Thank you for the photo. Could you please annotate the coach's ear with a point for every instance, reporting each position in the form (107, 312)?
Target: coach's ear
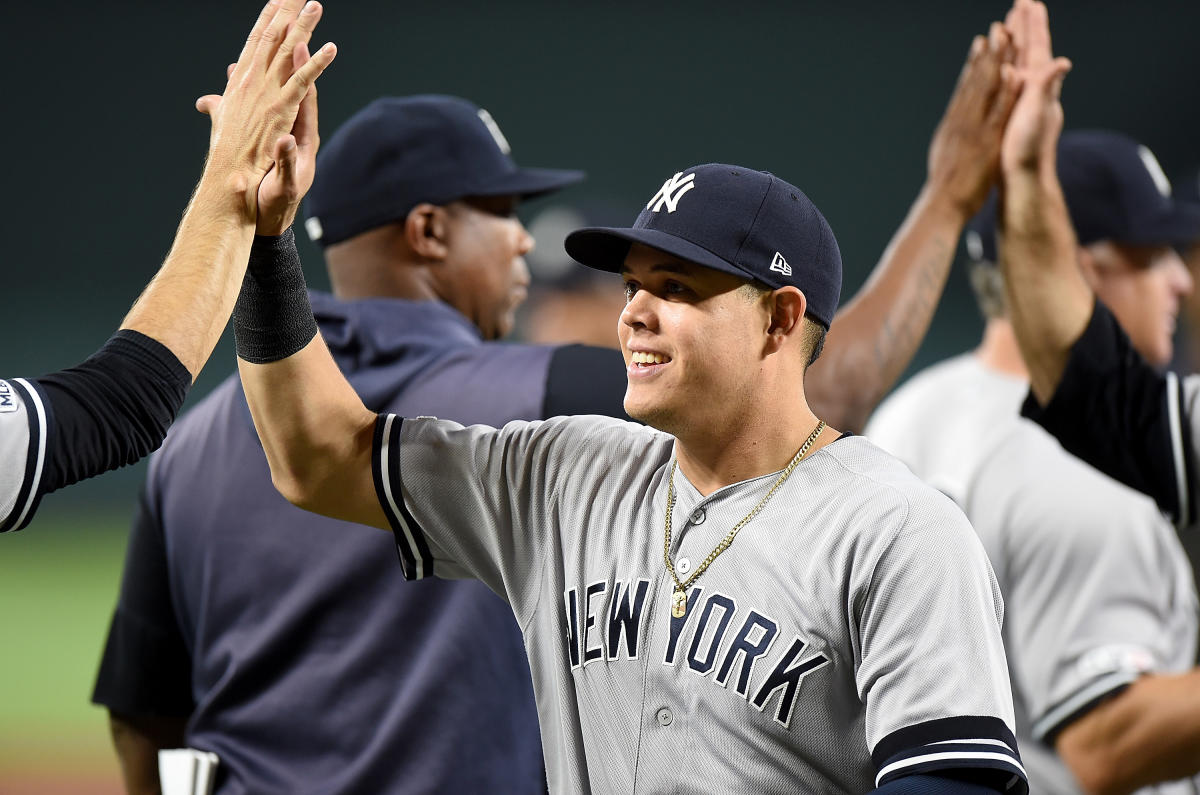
(786, 305)
(425, 231)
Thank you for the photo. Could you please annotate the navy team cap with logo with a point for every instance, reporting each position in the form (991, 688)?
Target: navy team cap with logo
(398, 152)
(1115, 190)
(735, 220)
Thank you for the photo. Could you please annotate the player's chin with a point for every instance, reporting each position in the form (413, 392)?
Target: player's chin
(646, 408)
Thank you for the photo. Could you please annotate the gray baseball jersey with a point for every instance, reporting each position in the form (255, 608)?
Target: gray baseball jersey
(848, 637)
(23, 423)
(1097, 587)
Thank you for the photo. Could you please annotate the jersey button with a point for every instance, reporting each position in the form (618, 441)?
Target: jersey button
(683, 566)
(664, 717)
(698, 516)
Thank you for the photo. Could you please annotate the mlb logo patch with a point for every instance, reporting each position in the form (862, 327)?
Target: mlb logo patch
(8, 399)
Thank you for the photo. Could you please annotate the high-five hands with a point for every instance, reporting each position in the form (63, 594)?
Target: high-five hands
(264, 126)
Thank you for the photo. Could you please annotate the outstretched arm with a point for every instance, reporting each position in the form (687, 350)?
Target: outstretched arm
(873, 338)
(116, 407)
(1049, 302)
(187, 304)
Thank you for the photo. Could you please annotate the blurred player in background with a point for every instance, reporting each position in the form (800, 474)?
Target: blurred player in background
(1098, 592)
(115, 407)
(1089, 386)
(1101, 614)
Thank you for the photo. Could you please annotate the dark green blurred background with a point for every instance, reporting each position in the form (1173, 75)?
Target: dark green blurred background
(102, 147)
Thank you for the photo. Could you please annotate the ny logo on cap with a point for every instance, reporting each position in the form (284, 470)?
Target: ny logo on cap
(671, 192)
(780, 265)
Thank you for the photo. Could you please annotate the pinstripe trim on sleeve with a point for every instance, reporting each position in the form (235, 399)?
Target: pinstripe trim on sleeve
(983, 745)
(1176, 427)
(35, 458)
(416, 562)
(1079, 702)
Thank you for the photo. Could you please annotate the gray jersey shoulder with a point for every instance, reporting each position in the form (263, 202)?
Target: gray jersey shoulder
(23, 432)
(857, 604)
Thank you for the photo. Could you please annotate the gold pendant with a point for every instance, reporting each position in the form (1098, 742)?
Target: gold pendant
(678, 603)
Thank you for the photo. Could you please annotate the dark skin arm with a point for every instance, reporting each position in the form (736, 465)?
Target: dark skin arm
(873, 338)
(137, 740)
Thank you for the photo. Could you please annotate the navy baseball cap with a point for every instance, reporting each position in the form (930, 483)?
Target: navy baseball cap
(398, 152)
(1115, 190)
(735, 220)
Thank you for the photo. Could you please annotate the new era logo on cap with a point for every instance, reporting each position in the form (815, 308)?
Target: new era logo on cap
(780, 265)
(671, 192)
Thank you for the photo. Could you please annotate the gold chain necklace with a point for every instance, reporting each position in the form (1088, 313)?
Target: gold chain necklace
(679, 596)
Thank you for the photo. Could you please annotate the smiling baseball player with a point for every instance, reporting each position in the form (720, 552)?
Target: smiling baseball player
(737, 597)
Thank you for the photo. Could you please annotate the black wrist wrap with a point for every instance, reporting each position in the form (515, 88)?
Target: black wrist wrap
(273, 318)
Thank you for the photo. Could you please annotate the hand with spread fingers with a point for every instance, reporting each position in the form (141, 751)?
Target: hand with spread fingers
(264, 134)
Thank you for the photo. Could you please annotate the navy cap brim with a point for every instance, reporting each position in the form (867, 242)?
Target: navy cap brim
(528, 183)
(605, 248)
(1178, 227)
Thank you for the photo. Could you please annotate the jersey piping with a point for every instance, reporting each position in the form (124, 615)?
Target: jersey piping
(415, 558)
(1065, 711)
(35, 458)
(1174, 418)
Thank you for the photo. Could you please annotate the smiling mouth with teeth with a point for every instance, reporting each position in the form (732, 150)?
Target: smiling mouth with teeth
(645, 359)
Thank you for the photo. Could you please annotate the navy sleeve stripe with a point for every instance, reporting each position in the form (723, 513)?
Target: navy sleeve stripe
(959, 743)
(932, 761)
(35, 458)
(939, 730)
(416, 561)
(1079, 702)
(1178, 450)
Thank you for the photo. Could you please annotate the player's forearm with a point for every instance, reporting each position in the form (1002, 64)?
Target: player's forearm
(873, 338)
(187, 304)
(1048, 301)
(316, 433)
(1150, 733)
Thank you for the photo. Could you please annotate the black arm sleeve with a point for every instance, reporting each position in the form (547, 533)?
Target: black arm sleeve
(113, 409)
(1119, 414)
(146, 668)
(583, 379)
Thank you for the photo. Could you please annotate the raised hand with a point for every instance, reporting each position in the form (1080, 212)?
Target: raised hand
(283, 187)
(1037, 118)
(266, 119)
(964, 155)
